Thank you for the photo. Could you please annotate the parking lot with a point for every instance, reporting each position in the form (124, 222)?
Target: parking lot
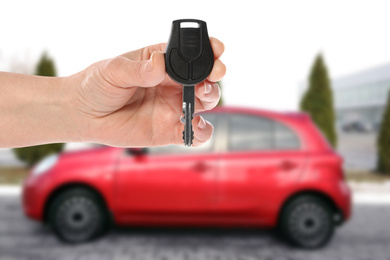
(366, 236)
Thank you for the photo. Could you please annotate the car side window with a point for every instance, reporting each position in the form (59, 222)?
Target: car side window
(247, 133)
(285, 138)
(251, 133)
(181, 149)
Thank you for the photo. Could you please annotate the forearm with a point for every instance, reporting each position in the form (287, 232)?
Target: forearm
(36, 110)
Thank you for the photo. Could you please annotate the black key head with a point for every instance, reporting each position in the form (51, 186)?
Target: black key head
(189, 57)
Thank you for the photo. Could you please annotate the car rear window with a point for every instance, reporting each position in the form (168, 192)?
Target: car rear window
(248, 133)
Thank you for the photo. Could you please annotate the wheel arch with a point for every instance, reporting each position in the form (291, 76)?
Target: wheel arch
(71, 185)
(319, 194)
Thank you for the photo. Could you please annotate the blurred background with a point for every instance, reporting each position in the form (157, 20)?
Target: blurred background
(329, 59)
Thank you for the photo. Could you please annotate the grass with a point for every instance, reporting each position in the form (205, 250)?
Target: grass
(366, 176)
(12, 175)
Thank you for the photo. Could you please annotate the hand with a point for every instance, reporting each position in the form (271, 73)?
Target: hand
(131, 101)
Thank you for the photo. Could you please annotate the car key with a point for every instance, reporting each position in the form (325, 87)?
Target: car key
(189, 60)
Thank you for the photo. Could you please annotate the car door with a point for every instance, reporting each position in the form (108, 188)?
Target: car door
(263, 158)
(169, 180)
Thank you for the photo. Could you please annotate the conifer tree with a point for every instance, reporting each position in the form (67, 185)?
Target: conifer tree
(383, 141)
(318, 100)
(220, 102)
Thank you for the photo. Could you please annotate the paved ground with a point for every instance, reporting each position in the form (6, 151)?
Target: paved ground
(358, 150)
(366, 236)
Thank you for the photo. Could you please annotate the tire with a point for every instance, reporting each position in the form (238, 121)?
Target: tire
(307, 222)
(78, 215)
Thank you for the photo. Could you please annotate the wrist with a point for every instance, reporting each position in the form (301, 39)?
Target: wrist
(59, 118)
(77, 123)
(37, 110)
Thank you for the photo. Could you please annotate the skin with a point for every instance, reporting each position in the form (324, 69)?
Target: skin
(126, 101)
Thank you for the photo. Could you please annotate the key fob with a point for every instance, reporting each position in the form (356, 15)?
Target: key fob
(189, 57)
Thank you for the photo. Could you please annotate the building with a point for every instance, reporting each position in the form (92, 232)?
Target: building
(359, 101)
(361, 97)
(8, 159)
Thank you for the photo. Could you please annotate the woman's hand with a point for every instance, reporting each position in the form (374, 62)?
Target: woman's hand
(125, 101)
(131, 101)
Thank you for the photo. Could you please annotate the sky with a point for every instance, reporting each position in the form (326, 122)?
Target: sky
(269, 45)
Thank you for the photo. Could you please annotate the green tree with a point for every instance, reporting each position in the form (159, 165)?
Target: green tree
(33, 154)
(318, 100)
(220, 102)
(45, 66)
(383, 141)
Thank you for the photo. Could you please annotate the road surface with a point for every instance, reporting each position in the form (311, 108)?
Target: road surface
(366, 236)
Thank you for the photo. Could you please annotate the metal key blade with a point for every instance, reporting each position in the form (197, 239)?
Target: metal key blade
(188, 110)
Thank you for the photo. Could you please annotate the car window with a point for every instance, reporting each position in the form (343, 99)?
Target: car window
(249, 133)
(181, 149)
(285, 138)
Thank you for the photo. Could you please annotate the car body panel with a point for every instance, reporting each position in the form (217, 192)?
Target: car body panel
(166, 185)
(250, 182)
(93, 168)
(216, 187)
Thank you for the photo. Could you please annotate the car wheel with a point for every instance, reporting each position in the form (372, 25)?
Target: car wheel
(307, 222)
(77, 215)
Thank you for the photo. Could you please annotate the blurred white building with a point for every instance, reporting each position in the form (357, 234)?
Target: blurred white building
(7, 158)
(361, 97)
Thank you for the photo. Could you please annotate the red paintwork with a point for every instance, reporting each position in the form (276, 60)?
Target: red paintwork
(214, 189)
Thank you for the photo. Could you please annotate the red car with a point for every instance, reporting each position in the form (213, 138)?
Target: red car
(260, 169)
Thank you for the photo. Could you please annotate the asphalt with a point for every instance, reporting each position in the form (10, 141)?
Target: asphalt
(366, 236)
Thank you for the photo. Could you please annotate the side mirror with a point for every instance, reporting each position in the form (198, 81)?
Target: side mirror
(137, 151)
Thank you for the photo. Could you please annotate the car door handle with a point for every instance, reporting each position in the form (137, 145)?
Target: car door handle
(287, 165)
(200, 167)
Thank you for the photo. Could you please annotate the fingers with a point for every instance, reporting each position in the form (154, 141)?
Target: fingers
(207, 96)
(219, 69)
(203, 130)
(218, 47)
(123, 72)
(218, 72)
(146, 52)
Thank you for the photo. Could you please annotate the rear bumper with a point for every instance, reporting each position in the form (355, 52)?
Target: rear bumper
(344, 200)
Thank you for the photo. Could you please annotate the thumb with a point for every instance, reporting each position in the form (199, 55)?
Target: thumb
(124, 72)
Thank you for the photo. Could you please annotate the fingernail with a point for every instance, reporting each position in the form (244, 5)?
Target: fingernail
(202, 123)
(207, 87)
